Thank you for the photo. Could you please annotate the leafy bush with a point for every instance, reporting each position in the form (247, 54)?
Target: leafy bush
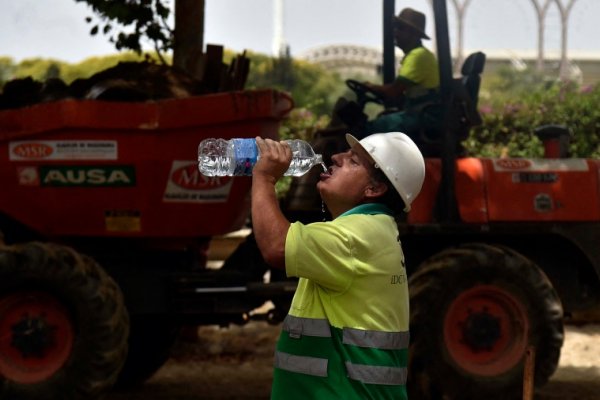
(41, 69)
(302, 123)
(311, 86)
(512, 103)
(512, 114)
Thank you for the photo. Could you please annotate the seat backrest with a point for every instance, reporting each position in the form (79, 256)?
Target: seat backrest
(466, 91)
(464, 115)
(471, 71)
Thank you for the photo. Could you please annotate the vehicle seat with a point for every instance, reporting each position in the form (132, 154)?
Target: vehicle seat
(465, 96)
(470, 82)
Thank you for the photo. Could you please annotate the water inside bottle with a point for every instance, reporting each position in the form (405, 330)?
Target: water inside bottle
(300, 165)
(324, 167)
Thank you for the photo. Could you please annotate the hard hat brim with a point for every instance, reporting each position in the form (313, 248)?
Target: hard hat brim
(351, 139)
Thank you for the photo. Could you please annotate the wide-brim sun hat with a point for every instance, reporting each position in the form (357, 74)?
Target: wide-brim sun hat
(412, 19)
(399, 158)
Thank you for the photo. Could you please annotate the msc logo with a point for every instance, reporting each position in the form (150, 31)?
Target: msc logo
(90, 176)
(32, 150)
(188, 177)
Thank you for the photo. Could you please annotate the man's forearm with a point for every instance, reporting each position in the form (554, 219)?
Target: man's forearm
(269, 224)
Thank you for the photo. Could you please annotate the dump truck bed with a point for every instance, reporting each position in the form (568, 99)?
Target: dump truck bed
(103, 169)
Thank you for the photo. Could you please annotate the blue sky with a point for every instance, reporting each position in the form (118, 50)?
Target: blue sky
(56, 28)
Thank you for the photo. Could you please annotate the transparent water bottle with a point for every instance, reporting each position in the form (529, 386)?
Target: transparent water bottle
(236, 157)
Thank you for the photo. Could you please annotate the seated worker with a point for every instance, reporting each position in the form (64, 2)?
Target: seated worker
(415, 87)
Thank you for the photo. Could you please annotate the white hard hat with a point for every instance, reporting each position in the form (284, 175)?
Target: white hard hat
(399, 159)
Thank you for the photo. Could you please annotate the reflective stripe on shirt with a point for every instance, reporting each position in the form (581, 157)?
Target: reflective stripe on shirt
(315, 366)
(377, 375)
(302, 364)
(298, 326)
(376, 339)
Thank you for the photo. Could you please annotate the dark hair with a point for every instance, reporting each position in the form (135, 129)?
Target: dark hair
(391, 198)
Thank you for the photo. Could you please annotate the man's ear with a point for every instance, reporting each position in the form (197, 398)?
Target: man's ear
(376, 190)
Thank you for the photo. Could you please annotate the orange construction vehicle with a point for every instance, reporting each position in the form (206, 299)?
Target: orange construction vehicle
(500, 252)
(106, 221)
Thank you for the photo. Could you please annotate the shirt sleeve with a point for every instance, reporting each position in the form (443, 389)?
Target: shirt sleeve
(320, 252)
(416, 66)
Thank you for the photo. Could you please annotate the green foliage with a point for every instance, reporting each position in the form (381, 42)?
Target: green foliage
(93, 65)
(38, 68)
(521, 103)
(43, 69)
(7, 70)
(508, 83)
(302, 123)
(313, 89)
(512, 104)
(138, 20)
(311, 86)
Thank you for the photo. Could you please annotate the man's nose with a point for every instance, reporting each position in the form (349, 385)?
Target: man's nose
(336, 158)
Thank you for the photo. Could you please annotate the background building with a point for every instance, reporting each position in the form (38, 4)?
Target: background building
(351, 61)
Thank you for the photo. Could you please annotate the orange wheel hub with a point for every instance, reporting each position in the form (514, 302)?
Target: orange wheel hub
(486, 330)
(36, 336)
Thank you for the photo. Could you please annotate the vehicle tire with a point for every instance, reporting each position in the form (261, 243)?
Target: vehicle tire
(63, 324)
(150, 341)
(475, 310)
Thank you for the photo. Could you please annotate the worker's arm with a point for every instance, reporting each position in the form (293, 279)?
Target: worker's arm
(390, 91)
(268, 222)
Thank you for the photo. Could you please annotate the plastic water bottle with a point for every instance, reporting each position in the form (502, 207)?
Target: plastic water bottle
(236, 157)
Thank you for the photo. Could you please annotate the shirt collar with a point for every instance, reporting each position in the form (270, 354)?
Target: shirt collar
(369, 209)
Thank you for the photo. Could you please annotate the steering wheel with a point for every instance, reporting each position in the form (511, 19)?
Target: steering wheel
(364, 94)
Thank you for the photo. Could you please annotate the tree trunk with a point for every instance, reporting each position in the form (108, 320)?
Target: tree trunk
(189, 36)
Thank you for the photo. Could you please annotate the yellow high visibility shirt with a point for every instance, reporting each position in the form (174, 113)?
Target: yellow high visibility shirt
(346, 334)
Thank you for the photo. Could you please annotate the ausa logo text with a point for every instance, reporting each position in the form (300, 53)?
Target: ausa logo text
(87, 175)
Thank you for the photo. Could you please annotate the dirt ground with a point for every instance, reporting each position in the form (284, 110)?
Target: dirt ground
(236, 363)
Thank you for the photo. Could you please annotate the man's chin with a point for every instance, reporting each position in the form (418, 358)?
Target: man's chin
(320, 188)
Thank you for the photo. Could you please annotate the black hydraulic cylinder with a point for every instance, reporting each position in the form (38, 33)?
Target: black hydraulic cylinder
(446, 205)
(389, 59)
